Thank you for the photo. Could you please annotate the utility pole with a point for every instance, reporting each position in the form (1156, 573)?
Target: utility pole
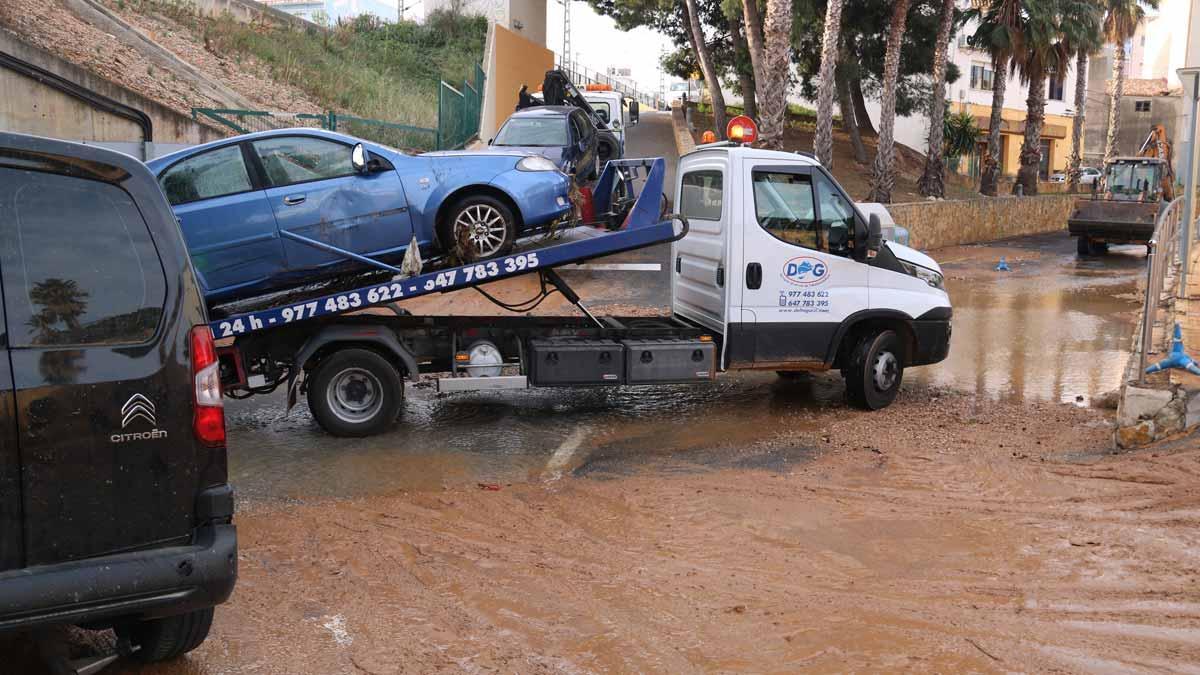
(662, 75)
(566, 47)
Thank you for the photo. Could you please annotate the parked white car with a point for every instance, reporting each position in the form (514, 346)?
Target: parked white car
(1087, 176)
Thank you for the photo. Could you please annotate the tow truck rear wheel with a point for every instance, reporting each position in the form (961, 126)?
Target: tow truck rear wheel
(875, 370)
(1086, 246)
(355, 392)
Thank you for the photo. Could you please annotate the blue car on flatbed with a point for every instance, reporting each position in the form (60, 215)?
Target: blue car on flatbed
(267, 210)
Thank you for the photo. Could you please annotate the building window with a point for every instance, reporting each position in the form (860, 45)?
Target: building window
(981, 77)
(962, 41)
(1141, 106)
(1055, 89)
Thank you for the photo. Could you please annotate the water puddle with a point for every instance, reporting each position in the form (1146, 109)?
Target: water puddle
(1055, 328)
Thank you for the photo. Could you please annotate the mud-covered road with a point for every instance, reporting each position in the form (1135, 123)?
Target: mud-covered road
(757, 524)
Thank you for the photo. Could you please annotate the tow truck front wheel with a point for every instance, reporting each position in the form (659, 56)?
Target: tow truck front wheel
(875, 370)
(355, 392)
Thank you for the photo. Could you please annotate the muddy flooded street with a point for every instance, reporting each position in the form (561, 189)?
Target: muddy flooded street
(752, 524)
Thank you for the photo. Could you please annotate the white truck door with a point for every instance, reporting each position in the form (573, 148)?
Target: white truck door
(698, 289)
(800, 280)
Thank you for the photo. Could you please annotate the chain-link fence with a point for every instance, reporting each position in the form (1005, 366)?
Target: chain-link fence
(458, 120)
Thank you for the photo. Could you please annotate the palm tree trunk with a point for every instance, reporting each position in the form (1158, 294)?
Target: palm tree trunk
(706, 66)
(933, 181)
(1031, 147)
(846, 105)
(860, 107)
(745, 75)
(1114, 104)
(823, 142)
(777, 39)
(883, 173)
(1081, 68)
(752, 20)
(989, 176)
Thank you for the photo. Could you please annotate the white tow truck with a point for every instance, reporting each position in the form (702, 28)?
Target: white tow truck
(773, 268)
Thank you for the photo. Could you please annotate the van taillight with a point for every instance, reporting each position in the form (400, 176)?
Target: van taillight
(208, 418)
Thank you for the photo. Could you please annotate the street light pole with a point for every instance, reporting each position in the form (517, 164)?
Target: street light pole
(1190, 176)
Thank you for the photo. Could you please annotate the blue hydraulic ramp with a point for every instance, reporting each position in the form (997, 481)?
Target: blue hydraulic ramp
(641, 228)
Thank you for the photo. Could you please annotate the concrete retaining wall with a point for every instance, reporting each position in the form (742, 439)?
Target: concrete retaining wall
(954, 222)
(248, 11)
(31, 107)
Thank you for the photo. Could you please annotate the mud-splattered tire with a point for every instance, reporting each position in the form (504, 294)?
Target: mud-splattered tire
(355, 393)
(875, 370)
(169, 637)
(479, 227)
(1083, 246)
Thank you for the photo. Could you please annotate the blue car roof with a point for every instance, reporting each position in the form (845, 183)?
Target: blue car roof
(159, 163)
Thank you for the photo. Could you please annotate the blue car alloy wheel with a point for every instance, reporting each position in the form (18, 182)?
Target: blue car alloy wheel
(481, 227)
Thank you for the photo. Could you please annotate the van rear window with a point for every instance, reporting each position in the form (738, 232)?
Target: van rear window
(702, 195)
(78, 263)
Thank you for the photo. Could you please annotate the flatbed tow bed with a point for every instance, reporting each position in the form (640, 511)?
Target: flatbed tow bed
(296, 342)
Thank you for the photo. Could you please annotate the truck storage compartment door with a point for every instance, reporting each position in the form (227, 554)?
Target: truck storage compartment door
(572, 362)
(100, 367)
(799, 230)
(666, 361)
(698, 287)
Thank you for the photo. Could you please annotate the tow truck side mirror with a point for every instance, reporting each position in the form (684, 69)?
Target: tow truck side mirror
(634, 111)
(874, 235)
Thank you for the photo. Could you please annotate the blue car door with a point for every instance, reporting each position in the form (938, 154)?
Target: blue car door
(227, 223)
(316, 194)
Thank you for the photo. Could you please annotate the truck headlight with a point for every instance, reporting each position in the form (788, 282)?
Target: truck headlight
(925, 274)
(536, 163)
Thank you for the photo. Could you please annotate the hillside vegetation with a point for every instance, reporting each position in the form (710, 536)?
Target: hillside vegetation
(367, 67)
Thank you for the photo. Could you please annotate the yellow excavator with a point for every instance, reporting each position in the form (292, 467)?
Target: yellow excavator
(1126, 199)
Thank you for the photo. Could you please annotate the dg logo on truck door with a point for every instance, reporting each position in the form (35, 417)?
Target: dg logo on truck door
(805, 271)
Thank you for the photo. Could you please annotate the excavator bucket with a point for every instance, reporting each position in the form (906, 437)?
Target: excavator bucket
(1116, 222)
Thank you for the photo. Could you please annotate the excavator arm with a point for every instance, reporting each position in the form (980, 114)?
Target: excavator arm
(1157, 145)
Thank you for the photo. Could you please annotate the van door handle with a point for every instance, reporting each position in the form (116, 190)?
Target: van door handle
(292, 200)
(753, 276)
(721, 276)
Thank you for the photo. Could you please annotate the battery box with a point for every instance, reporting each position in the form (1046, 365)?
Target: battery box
(574, 362)
(663, 361)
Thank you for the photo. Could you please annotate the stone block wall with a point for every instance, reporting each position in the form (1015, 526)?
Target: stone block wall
(953, 222)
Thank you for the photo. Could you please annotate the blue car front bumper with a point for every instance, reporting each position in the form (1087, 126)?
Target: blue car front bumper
(541, 201)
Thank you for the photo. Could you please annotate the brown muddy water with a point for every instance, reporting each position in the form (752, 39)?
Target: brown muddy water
(1055, 328)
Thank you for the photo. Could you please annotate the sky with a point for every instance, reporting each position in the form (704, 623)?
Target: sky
(600, 44)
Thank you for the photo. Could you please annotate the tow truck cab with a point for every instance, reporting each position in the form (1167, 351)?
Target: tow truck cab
(778, 261)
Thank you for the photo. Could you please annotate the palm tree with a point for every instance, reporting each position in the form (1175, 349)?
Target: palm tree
(1121, 21)
(776, 66)
(933, 180)
(1083, 43)
(883, 172)
(1051, 27)
(999, 31)
(707, 68)
(823, 141)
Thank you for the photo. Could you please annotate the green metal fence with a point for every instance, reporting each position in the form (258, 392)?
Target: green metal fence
(458, 112)
(458, 120)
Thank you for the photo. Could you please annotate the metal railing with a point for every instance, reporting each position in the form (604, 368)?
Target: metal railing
(1163, 249)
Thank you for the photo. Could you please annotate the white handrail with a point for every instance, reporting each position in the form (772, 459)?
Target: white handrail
(1162, 250)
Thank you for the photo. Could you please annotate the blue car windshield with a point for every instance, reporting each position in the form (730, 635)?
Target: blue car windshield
(543, 132)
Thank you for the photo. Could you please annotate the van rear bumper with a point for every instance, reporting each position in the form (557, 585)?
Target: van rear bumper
(139, 584)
